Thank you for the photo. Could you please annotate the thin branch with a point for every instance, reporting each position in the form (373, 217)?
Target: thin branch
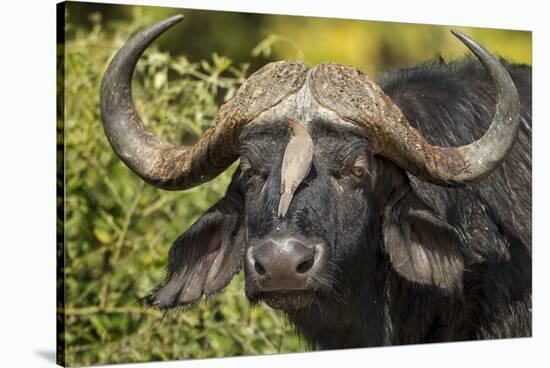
(120, 241)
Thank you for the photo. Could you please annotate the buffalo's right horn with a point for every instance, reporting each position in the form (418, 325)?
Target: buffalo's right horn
(178, 167)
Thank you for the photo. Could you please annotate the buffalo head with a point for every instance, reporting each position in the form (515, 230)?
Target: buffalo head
(352, 208)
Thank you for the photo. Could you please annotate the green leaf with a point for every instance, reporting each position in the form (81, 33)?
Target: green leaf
(160, 79)
(102, 236)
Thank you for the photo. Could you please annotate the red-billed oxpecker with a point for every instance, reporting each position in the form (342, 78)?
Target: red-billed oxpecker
(296, 164)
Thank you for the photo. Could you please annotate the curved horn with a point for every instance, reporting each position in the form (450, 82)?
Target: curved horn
(365, 104)
(170, 166)
(485, 155)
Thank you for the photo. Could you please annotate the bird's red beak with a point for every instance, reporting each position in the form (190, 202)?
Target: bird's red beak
(290, 123)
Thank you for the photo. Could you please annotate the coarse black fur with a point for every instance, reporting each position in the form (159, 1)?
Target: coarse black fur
(405, 261)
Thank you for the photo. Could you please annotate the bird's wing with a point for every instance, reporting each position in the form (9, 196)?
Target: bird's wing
(295, 167)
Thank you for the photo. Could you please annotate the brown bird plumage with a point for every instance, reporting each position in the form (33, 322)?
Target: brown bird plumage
(296, 164)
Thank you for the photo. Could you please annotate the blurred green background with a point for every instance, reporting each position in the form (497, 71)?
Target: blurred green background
(118, 229)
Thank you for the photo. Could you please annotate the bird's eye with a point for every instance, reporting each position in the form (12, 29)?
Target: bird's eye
(358, 171)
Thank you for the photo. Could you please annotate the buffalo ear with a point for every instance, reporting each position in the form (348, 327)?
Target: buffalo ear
(204, 259)
(421, 246)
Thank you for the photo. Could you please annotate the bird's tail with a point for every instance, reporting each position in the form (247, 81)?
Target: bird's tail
(284, 203)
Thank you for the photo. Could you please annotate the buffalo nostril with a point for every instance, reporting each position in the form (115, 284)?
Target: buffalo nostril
(305, 265)
(259, 268)
(282, 261)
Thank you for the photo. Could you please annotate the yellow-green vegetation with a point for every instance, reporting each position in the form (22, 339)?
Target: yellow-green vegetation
(375, 46)
(119, 229)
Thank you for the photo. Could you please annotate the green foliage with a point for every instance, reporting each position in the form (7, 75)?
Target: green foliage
(119, 229)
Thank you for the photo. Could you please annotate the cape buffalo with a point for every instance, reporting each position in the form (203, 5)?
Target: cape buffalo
(413, 223)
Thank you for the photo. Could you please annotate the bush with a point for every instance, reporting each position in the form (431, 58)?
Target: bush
(118, 229)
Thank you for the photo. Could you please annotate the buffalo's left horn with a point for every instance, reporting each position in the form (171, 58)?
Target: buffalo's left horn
(170, 166)
(466, 164)
(365, 104)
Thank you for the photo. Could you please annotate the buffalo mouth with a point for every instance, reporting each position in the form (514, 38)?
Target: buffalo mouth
(286, 299)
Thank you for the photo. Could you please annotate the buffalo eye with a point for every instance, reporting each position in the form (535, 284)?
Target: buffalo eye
(359, 168)
(250, 173)
(357, 171)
